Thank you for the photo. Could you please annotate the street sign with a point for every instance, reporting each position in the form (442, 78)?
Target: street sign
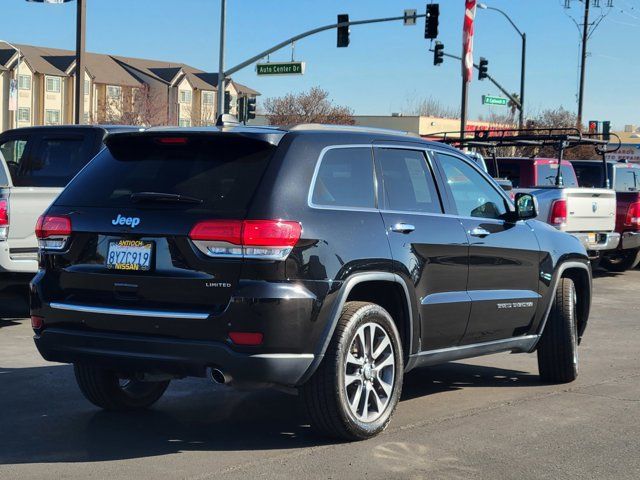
(491, 100)
(410, 17)
(284, 68)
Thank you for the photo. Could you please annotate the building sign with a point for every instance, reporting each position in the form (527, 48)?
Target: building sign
(627, 151)
(491, 100)
(13, 95)
(285, 68)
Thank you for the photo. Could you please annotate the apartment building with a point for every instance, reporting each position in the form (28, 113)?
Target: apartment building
(116, 89)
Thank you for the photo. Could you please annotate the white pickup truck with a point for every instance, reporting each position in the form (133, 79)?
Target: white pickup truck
(586, 213)
(36, 163)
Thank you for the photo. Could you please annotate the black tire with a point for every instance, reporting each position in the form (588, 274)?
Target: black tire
(558, 347)
(325, 394)
(103, 388)
(622, 261)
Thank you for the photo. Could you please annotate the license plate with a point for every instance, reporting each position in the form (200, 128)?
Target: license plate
(129, 255)
(592, 237)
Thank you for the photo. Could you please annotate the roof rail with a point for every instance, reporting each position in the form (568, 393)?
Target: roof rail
(348, 128)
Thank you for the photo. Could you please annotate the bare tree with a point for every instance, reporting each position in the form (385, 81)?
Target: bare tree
(313, 106)
(146, 108)
(430, 107)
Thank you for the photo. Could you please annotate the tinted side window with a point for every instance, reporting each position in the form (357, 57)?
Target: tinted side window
(56, 161)
(13, 151)
(472, 194)
(407, 180)
(345, 179)
(627, 179)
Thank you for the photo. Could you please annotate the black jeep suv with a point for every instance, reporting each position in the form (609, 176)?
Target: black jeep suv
(332, 259)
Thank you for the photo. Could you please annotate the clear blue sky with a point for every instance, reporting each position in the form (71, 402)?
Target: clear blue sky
(385, 67)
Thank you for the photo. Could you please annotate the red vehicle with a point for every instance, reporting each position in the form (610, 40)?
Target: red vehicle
(624, 178)
(534, 172)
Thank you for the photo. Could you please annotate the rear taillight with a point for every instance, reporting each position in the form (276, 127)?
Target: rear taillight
(261, 239)
(633, 215)
(37, 322)
(246, 338)
(4, 218)
(558, 215)
(53, 232)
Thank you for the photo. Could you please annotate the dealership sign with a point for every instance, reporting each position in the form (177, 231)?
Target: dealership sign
(284, 68)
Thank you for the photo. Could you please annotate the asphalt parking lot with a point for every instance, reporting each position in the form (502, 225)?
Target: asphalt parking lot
(486, 418)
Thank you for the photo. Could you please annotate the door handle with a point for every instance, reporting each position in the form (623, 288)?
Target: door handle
(403, 228)
(479, 232)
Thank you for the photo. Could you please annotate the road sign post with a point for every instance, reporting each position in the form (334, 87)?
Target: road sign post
(491, 100)
(283, 68)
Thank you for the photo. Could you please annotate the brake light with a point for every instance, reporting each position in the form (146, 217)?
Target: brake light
(558, 215)
(172, 140)
(262, 239)
(53, 231)
(4, 218)
(37, 322)
(246, 338)
(633, 215)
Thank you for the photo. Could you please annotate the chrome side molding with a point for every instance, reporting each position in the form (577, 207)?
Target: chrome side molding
(443, 355)
(131, 312)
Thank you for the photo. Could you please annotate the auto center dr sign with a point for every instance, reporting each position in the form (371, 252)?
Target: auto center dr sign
(627, 151)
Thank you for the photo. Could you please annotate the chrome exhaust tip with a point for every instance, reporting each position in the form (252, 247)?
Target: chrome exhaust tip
(217, 376)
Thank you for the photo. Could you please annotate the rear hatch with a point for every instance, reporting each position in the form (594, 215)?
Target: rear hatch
(590, 210)
(131, 212)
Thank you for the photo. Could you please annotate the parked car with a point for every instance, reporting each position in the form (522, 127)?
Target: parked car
(586, 213)
(35, 163)
(330, 259)
(624, 177)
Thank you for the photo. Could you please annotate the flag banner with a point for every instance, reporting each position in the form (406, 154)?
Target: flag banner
(13, 95)
(467, 40)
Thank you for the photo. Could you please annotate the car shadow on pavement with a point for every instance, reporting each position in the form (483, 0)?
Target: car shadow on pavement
(46, 419)
(454, 376)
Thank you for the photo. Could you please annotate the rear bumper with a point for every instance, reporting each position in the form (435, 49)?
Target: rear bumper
(603, 240)
(630, 240)
(133, 353)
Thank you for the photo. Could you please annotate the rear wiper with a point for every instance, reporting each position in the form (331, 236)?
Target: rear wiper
(163, 197)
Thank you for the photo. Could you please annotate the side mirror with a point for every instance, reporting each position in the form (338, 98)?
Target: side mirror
(526, 206)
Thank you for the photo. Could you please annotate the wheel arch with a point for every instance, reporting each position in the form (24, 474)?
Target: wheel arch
(381, 288)
(580, 273)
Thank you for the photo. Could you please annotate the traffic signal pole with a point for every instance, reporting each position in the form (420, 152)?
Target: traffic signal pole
(300, 36)
(583, 61)
(221, 73)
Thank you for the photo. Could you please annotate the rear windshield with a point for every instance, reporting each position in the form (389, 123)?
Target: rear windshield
(627, 179)
(223, 171)
(547, 173)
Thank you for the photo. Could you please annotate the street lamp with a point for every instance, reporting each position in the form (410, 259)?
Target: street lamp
(523, 35)
(17, 80)
(80, 44)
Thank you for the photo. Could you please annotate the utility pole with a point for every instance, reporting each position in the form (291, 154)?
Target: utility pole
(585, 37)
(221, 74)
(463, 108)
(81, 25)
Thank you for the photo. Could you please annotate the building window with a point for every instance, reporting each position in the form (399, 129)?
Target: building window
(207, 98)
(87, 87)
(24, 114)
(24, 82)
(52, 117)
(185, 96)
(184, 122)
(113, 92)
(53, 84)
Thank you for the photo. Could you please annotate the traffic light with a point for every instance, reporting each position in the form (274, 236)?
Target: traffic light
(593, 126)
(483, 68)
(606, 130)
(438, 53)
(251, 108)
(227, 102)
(343, 32)
(431, 21)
